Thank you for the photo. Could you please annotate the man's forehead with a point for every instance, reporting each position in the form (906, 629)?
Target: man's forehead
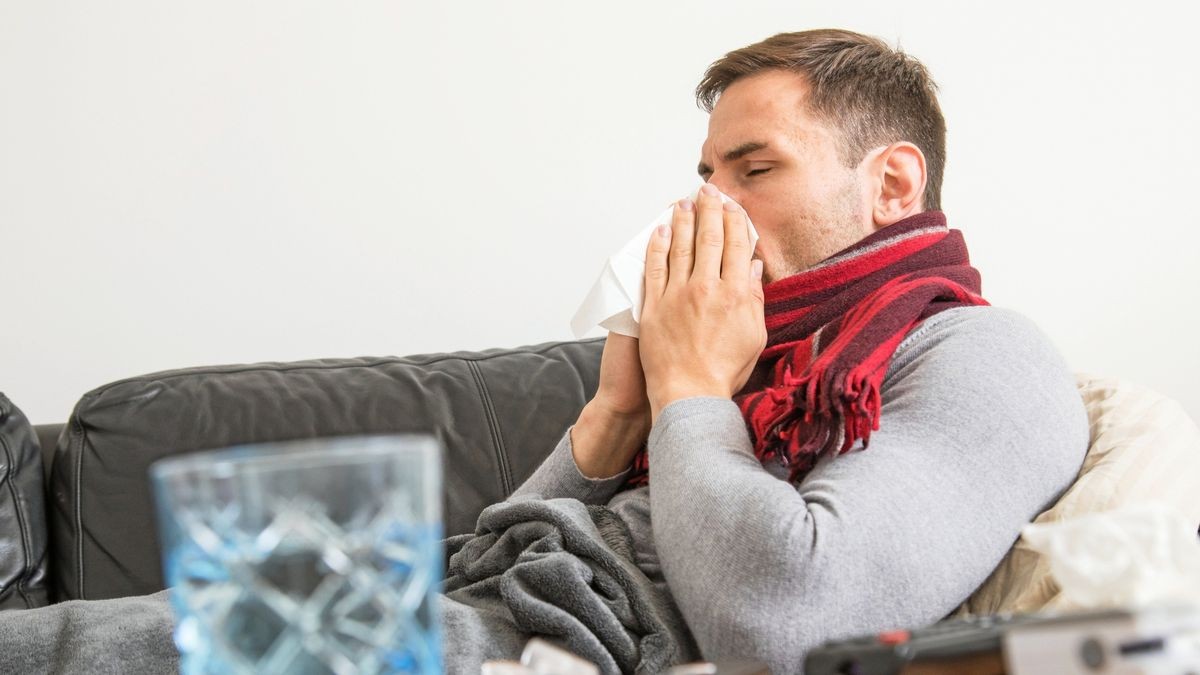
(735, 143)
(733, 149)
(766, 108)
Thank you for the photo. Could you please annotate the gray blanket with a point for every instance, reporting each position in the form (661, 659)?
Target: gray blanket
(564, 571)
(555, 568)
(126, 636)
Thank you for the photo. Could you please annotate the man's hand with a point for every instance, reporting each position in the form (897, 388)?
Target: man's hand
(615, 423)
(702, 326)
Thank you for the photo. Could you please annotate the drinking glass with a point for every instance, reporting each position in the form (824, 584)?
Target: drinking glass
(305, 557)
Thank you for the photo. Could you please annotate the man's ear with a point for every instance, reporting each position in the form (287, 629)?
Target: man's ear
(900, 175)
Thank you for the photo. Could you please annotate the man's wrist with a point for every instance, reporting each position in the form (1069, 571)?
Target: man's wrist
(603, 442)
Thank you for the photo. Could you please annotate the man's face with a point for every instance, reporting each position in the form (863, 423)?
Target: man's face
(767, 153)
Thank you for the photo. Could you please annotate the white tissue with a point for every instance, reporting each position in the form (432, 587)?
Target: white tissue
(1131, 557)
(615, 301)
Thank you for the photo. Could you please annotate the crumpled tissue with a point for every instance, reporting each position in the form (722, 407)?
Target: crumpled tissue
(615, 301)
(541, 657)
(1129, 557)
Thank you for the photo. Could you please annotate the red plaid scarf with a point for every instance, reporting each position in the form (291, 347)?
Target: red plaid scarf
(831, 333)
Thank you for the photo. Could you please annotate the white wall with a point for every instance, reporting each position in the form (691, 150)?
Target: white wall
(232, 181)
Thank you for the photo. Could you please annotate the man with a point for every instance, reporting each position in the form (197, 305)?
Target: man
(959, 422)
(842, 436)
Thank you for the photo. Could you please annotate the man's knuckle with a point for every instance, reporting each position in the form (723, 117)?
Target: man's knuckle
(656, 272)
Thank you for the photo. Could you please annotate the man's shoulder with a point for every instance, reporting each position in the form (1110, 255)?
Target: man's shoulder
(971, 338)
(988, 368)
(985, 324)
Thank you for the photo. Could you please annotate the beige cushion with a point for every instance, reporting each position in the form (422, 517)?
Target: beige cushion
(1144, 448)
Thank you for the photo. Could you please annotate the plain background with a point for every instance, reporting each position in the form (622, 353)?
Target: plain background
(233, 181)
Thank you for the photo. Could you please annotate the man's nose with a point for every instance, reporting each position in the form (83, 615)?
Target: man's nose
(735, 195)
(732, 193)
(729, 190)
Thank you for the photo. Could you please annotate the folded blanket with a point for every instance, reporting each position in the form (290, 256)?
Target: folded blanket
(564, 571)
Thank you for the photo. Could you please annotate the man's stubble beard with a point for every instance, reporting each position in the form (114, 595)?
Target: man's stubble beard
(815, 236)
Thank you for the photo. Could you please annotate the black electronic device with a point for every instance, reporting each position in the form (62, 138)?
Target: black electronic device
(887, 652)
(1026, 642)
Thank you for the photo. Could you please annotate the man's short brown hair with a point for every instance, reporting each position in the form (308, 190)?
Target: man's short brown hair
(872, 94)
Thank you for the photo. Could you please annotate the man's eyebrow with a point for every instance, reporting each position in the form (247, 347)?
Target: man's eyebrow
(734, 155)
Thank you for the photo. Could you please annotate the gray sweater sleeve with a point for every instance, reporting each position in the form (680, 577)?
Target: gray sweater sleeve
(982, 428)
(559, 476)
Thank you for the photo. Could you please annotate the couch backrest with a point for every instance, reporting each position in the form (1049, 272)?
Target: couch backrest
(498, 413)
(47, 435)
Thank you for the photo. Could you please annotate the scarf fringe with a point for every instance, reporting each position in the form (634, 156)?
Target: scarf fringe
(799, 433)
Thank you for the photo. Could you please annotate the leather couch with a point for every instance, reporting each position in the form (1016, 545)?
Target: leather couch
(498, 413)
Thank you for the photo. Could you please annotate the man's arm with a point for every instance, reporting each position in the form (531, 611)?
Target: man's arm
(591, 461)
(981, 429)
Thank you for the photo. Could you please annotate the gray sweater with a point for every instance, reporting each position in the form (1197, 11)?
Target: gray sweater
(981, 429)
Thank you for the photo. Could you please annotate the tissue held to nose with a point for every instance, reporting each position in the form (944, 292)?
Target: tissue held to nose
(615, 301)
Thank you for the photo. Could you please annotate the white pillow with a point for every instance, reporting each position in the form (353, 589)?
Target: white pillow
(1144, 448)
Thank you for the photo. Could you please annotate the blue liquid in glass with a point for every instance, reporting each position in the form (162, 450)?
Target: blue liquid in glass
(308, 601)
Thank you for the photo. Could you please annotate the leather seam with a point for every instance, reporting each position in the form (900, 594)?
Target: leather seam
(25, 543)
(78, 505)
(493, 427)
(401, 361)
